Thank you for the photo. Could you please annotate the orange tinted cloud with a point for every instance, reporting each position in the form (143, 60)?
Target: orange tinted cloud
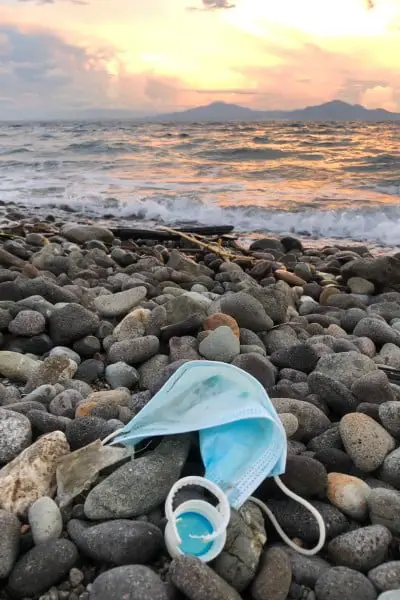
(159, 55)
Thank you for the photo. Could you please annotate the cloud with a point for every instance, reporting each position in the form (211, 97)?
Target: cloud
(41, 2)
(214, 5)
(379, 96)
(41, 74)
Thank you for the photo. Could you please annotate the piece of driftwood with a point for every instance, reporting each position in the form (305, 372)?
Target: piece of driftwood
(161, 234)
(214, 248)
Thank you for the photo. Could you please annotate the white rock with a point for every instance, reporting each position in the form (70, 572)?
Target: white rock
(45, 520)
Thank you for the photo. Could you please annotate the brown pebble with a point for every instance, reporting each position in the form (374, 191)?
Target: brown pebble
(219, 320)
(289, 278)
(327, 292)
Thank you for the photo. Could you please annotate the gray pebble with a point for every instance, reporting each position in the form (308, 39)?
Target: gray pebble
(121, 375)
(42, 567)
(9, 541)
(140, 485)
(390, 470)
(15, 434)
(45, 520)
(27, 323)
(220, 345)
(361, 549)
(132, 582)
(386, 576)
(274, 577)
(197, 581)
(384, 509)
(119, 542)
(64, 404)
(341, 583)
(64, 351)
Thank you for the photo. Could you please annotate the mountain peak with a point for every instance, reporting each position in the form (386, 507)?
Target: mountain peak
(222, 112)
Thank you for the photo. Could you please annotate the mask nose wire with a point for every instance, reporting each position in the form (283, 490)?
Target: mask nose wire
(308, 506)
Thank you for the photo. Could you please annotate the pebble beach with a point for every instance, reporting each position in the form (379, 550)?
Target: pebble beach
(92, 326)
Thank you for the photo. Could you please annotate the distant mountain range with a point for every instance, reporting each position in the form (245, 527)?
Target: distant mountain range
(223, 112)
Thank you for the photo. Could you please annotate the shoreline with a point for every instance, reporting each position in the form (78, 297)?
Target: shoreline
(91, 327)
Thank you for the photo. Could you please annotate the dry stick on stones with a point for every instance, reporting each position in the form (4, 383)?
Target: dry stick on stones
(225, 254)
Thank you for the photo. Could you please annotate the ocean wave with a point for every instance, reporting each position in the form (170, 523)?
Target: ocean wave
(380, 225)
(11, 151)
(235, 154)
(102, 147)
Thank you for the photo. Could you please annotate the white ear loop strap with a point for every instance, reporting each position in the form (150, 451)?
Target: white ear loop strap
(308, 506)
(223, 506)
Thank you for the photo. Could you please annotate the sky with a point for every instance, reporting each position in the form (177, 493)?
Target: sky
(149, 56)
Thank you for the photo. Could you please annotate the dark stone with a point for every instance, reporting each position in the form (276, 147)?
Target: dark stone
(90, 370)
(334, 460)
(341, 583)
(297, 521)
(301, 357)
(119, 542)
(335, 394)
(71, 323)
(305, 476)
(132, 582)
(85, 430)
(259, 367)
(40, 568)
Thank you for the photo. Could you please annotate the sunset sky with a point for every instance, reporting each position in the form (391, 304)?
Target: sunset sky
(150, 56)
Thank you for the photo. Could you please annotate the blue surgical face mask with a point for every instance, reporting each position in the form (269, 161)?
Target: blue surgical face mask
(242, 440)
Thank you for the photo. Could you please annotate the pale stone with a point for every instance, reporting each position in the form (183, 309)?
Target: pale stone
(32, 474)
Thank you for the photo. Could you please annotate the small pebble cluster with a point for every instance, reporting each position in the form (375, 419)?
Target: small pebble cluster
(91, 330)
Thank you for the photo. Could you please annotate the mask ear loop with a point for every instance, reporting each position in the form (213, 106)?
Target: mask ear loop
(308, 506)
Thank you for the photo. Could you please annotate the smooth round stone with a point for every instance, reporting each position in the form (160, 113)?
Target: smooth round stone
(389, 414)
(341, 583)
(358, 285)
(247, 311)
(274, 576)
(121, 375)
(43, 394)
(116, 305)
(306, 570)
(220, 345)
(349, 494)
(334, 460)
(84, 430)
(365, 441)
(219, 320)
(312, 421)
(119, 542)
(387, 576)
(132, 582)
(27, 323)
(390, 470)
(361, 549)
(392, 595)
(45, 520)
(15, 434)
(290, 423)
(305, 476)
(64, 351)
(72, 322)
(41, 567)
(297, 521)
(384, 509)
(87, 346)
(10, 527)
(64, 404)
(197, 581)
